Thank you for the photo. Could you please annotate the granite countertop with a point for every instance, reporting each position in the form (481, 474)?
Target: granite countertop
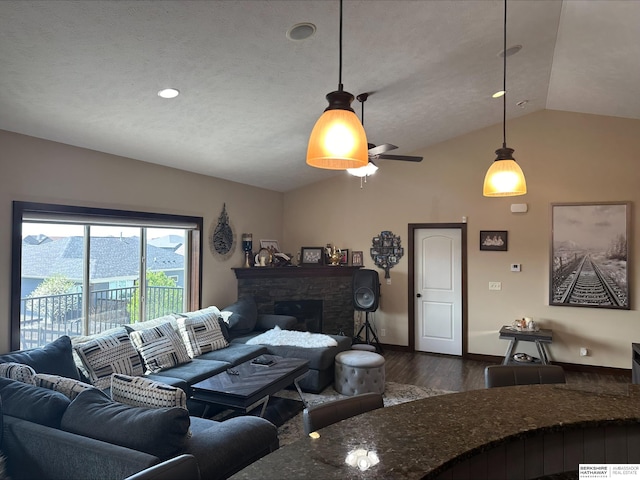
(420, 438)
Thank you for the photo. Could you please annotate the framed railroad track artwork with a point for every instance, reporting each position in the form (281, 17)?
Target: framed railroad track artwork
(589, 255)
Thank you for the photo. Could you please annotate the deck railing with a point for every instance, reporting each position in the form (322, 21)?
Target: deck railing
(43, 319)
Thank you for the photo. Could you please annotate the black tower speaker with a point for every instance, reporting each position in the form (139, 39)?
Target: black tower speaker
(366, 290)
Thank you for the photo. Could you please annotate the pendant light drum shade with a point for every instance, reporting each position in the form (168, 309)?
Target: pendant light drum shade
(505, 177)
(338, 141)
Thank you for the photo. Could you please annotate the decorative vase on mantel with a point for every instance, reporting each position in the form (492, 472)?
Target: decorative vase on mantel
(334, 255)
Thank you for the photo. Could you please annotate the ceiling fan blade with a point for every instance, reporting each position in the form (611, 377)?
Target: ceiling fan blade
(405, 158)
(385, 147)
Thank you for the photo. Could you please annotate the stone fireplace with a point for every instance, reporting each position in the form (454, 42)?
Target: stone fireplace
(300, 290)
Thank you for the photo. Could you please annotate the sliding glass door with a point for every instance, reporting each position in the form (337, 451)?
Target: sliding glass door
(80, 275)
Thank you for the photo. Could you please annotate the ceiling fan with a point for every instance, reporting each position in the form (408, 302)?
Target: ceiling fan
(379, 152)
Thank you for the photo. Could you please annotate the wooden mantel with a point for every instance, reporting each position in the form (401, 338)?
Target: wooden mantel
(295, 272)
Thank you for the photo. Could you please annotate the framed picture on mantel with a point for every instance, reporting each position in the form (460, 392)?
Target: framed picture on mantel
(311, 256)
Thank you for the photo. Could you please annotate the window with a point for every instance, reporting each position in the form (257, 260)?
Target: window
(80, 271)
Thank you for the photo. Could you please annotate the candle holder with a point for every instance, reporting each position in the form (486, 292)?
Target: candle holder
(247, 246)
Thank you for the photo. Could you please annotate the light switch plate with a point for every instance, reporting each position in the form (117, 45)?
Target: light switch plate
(495, 285)
(515, 267)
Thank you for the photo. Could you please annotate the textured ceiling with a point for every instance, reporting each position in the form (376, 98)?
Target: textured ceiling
(86, 73)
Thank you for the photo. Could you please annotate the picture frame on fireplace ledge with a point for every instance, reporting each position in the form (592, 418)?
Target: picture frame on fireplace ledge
(270, 244)
(311, 256)
(356, 258)
(344, 256)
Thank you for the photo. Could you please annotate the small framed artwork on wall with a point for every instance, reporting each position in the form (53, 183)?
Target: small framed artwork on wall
(356, 259)
(493, 240)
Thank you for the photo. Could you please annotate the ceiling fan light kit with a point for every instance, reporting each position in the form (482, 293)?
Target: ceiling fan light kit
(504, 178)
(338, 140)
(365, 171)
(376, 152)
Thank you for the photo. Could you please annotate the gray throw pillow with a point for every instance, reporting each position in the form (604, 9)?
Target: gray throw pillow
(244, 315)
(55, 358)
(161, 432)
(31, 403)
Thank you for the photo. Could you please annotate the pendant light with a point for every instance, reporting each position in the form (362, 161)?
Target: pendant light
(505, 177)
(338, 140)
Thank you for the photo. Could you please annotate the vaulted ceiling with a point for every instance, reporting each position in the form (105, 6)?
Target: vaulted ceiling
(87, 73)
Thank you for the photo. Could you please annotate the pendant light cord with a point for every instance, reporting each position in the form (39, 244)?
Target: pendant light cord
(504, 80)
(340, 56)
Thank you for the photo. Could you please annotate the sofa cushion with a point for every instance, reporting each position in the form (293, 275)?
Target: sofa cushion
(157, 431)
(201, 333)
(160, 347)
(244, 315)
(69, 387)
(195, 370)
(17, 371)
(55, 358)
(235, 353)
(31, 403)
(142, 392)
(107, 354)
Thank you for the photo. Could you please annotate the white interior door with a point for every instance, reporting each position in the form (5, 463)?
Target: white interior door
(438, 296)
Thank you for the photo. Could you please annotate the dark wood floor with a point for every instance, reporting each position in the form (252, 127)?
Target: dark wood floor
(455, 374)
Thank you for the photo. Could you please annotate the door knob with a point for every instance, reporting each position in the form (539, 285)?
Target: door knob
(418, 295)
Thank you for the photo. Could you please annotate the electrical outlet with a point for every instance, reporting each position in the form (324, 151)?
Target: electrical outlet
(383, 332)
(495, 285)
(388, 281)
(584, 352)
(515, 267)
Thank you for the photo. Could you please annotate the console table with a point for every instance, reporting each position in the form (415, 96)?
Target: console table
(540, 337)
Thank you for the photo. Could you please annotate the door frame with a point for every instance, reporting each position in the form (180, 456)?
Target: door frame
(411, 280)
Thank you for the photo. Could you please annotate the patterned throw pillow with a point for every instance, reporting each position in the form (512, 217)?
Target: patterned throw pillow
(109, 354)
(142, 392)
(160, 347)
(67, 386)
(201, 333)
(17, 371)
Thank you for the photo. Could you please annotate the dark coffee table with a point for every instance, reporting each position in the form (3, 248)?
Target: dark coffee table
(249, 385)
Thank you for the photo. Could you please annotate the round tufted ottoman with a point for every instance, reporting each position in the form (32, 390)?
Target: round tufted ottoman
(359, 372)
(363, 346)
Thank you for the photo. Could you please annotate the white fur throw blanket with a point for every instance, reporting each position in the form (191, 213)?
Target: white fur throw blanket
(277, 336)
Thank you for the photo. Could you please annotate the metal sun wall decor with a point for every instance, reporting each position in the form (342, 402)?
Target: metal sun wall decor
(386, 251)
(221, 236)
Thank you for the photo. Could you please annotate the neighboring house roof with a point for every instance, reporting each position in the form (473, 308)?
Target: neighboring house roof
(171, 242)
(111, 257)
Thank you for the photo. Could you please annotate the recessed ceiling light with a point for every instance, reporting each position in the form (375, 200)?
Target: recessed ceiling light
(522, 103)
(169, 93)
(301, 31)
(498, 94)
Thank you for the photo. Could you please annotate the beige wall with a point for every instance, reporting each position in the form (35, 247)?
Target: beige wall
(37, 170)
(566, 158)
